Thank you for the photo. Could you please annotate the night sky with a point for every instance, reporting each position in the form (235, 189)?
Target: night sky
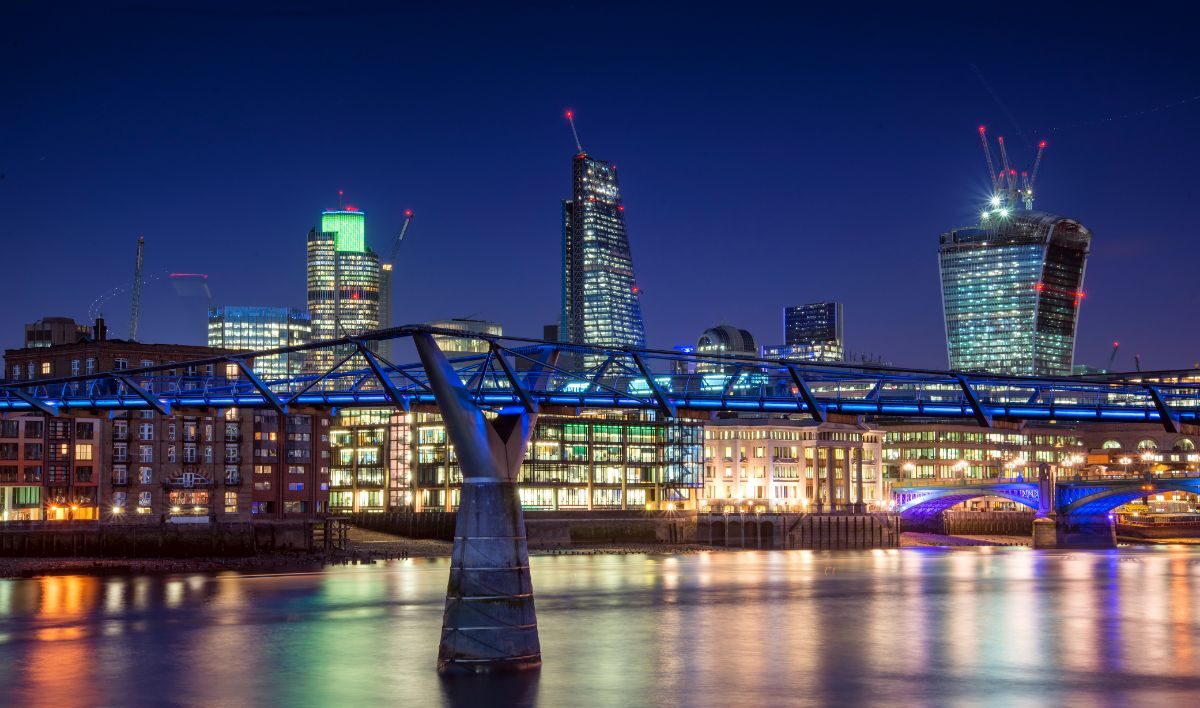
(766, 158)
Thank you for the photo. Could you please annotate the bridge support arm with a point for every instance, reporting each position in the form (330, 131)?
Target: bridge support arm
(984, 418)
(145, 395)
(664, 405)
(815, 409)
(489, 623)
(1170, 419)
(35, 403)
(381, 376)
(260, 386)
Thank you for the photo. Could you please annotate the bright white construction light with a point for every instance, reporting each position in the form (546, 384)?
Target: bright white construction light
(1003, 213)
(996, 200)
(983, 215)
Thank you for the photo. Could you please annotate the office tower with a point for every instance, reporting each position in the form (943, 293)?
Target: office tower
(1011, 289)
(811, 332)
(600, 299)
(257, 328)
(610, 459)
(343, 284)
(459, 346)
(1012, 285)
(724, 340)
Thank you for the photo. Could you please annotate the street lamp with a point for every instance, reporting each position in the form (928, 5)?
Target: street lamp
(1125, 463)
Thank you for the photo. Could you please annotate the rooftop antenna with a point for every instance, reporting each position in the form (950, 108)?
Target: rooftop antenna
(341, 201)
(571, 120)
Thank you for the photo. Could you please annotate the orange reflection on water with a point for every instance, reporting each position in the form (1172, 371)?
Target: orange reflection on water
(58, 663)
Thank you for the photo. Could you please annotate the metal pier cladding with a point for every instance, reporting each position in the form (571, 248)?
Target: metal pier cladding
(490, 402)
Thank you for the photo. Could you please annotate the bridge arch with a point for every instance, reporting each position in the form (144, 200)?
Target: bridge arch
(1109, 498)
(932, 502)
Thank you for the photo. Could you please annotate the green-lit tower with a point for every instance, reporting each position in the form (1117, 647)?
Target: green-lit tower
(343, 281)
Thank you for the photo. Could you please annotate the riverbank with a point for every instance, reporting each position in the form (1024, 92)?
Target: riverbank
(368, 547)
(35, 567)
(915, 539)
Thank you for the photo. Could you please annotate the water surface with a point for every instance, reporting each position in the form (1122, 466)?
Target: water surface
(998, 627)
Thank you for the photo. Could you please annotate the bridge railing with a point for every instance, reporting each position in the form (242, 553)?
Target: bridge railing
(957, 481)
(349, 372)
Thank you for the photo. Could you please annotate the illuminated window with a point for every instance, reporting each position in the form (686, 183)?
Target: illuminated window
(83, 452)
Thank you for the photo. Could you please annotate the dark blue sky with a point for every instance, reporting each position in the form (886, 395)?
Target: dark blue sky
(767, 157)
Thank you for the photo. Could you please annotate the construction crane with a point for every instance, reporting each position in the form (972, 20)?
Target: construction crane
(1113, 357)
(987, 155)
(408, 217)
(136, 304)
(385, 285)
(1007, 187)
(571, 120)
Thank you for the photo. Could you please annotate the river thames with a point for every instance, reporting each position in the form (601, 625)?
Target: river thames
(979, 626)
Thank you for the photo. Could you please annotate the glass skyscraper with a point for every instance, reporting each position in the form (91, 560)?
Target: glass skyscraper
(254, 328)
(343, 283)
(600, 300)
(811, 332)
(1011, 289)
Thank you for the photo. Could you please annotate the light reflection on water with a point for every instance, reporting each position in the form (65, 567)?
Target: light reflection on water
(965, 627)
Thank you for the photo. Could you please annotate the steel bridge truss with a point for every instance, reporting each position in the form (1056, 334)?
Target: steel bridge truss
(605, 377)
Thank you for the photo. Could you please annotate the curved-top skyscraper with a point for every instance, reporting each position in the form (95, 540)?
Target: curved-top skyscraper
(1011, 290)
(1012, 286)
(600, 301)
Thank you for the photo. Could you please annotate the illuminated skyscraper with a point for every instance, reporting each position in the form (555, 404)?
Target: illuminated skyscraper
(1011, 289)
(343, 282)
(811, 332)
(600, 300)
(256, 328)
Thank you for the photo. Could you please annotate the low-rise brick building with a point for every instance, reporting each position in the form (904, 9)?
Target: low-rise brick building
(191, 465)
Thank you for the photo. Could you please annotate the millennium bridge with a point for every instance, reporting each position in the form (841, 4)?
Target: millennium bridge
(490, 402)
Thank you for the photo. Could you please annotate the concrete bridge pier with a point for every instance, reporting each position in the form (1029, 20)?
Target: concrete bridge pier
(1065, 529)
(489, 623)
(1074, 531)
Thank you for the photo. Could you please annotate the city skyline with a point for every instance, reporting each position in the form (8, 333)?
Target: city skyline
(1125, 179)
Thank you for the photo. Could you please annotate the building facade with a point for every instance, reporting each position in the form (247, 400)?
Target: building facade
(1011, 291)
(189, 466)
(453, 346)
(780, 464)
(292, 466)
(601, 303)
(255, 328)
(344, 282)
(934, 453)
(595, 460)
